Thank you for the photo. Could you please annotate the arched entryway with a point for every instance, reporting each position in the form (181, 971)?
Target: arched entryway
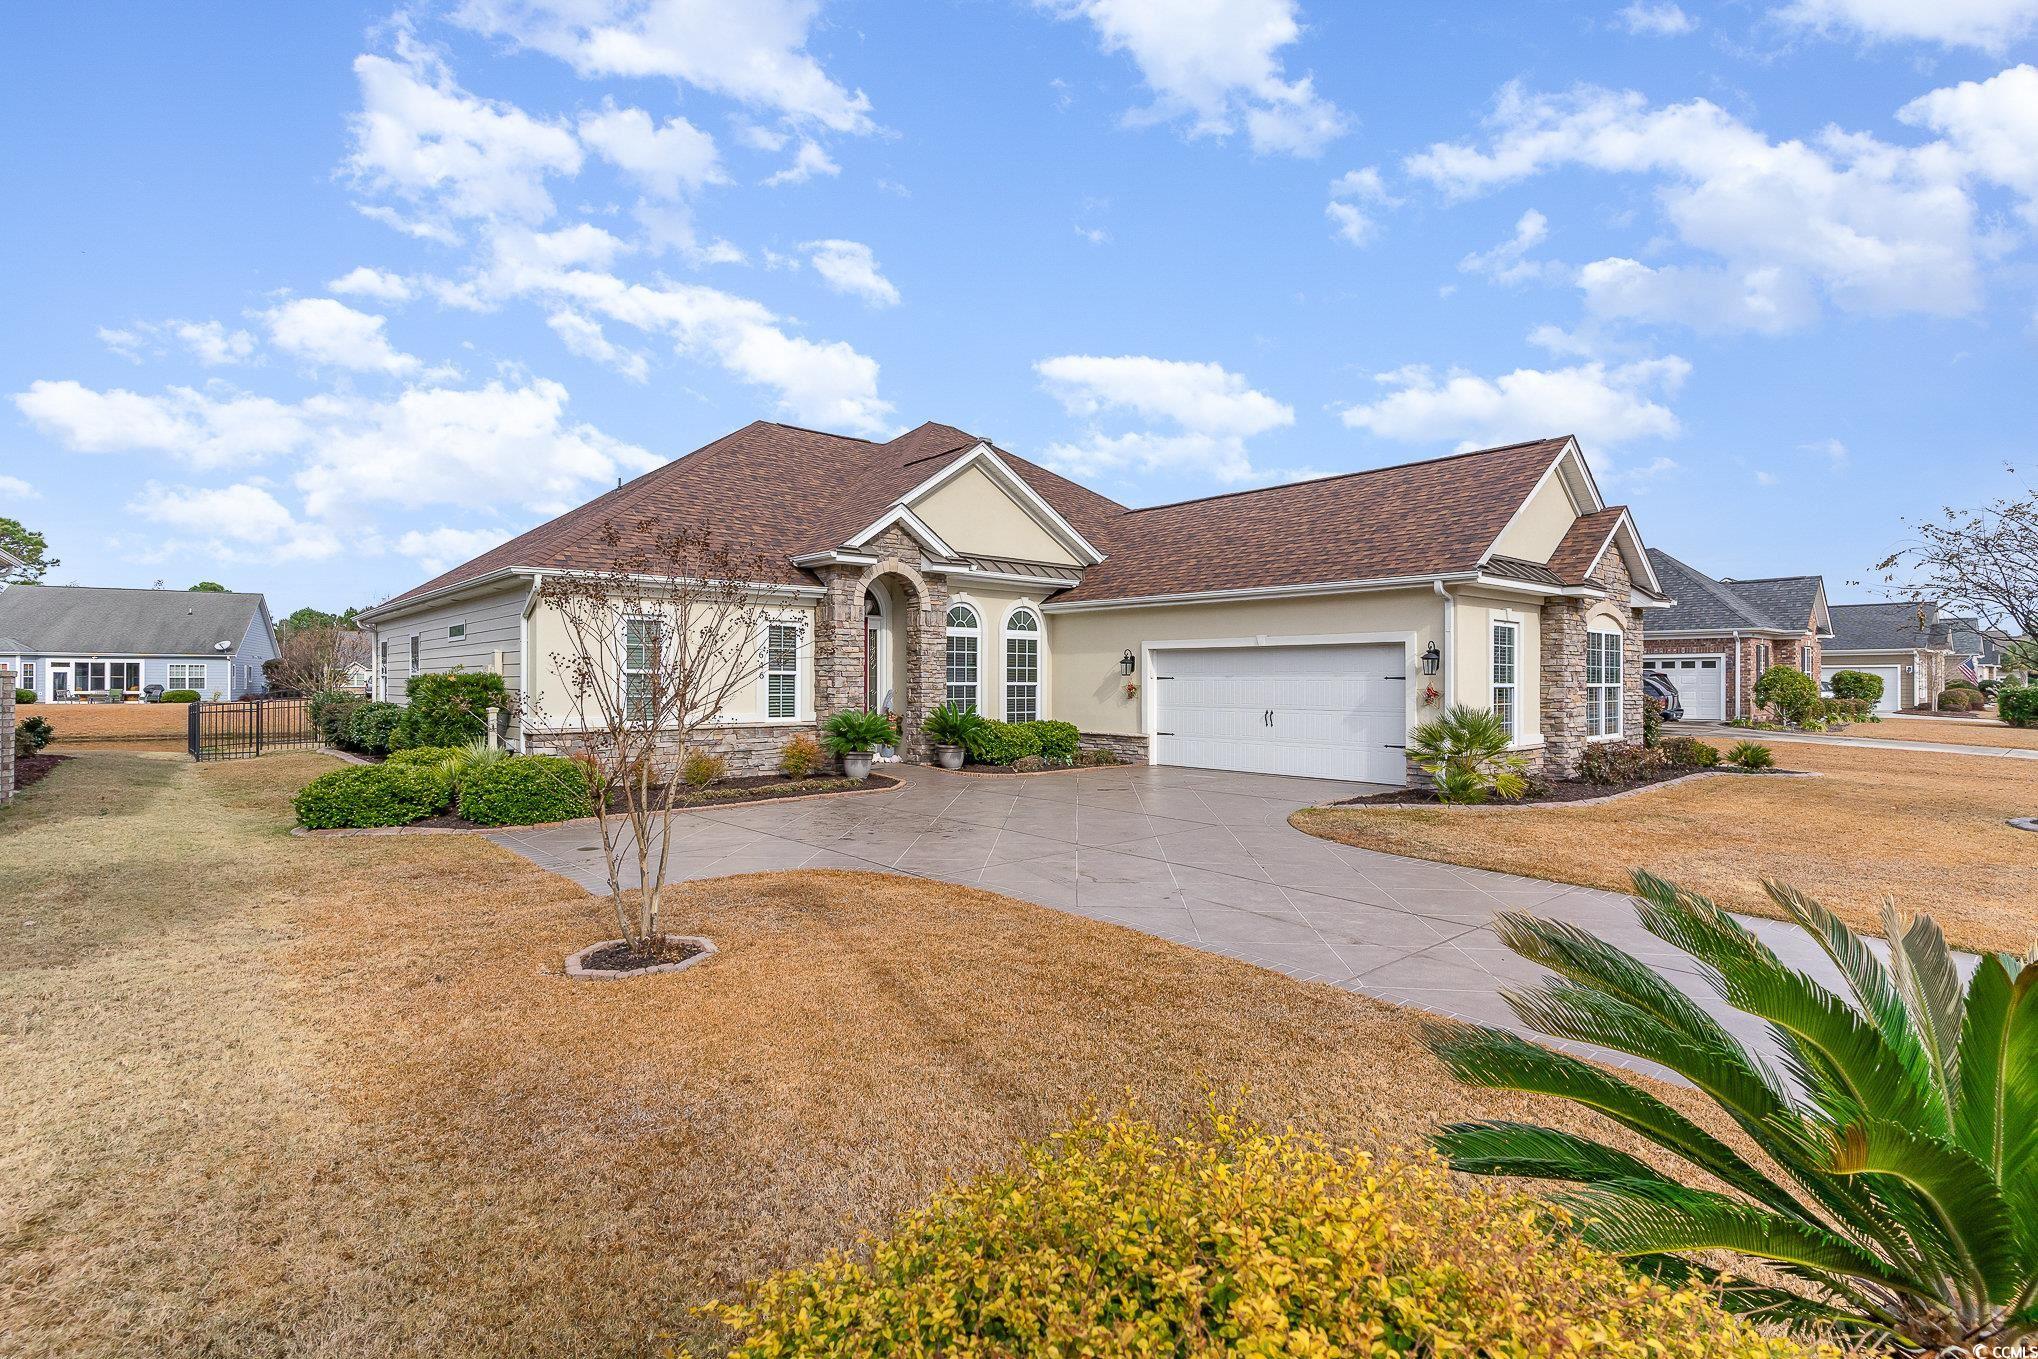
(878, 656)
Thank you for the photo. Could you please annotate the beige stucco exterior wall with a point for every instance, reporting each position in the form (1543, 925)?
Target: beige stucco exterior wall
(1472, 674)
(1541, 525)
(549, 703)
(1086, 686)
(973, 514)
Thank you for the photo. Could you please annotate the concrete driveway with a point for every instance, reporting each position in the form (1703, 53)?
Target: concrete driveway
(1203, 858)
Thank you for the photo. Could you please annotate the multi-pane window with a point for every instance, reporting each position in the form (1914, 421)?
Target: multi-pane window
(781, 670)
(641, 637)
(415, 654)
(1022, 667)
(1602, 683)
(963, 634)
(456, 631)
(1506, 659)
(187, 675)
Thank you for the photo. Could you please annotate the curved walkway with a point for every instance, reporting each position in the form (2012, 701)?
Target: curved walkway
(1204, 858)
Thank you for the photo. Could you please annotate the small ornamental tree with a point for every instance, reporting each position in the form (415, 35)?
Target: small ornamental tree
(1858, 684)
(661, 636)
(1790, 691)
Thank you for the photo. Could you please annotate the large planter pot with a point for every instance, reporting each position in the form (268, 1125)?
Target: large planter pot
(948, 757)
(856, 765)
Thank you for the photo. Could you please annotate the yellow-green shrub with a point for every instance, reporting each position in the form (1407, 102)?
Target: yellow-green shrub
(1113, 1239)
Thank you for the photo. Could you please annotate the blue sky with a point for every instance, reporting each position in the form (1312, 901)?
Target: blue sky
(321, 299)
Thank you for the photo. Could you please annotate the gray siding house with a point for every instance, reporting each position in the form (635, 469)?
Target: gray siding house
(72, 641)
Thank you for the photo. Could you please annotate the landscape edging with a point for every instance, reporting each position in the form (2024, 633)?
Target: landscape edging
(1555, 806)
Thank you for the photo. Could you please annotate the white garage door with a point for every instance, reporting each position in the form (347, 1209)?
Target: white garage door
(1892, 678)
(1327, 712)
(1701, 684)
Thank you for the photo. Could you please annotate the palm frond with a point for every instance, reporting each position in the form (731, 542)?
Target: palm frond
(1997, 1116)
(1930, 985)
(1967, 1208)
(1531, 1152)
(1757, 1302)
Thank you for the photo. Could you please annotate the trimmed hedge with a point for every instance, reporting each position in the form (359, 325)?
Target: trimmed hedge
(525, 790)
(448, 710)
(24, 695)
(1858, 684)
(2018, 704)
(423, 755)
(1002, 742)
(1956, 700)
(1116, 1239)
(179, 696)
(1790, 691)
(1688, 752)
(371, 727)
(370, 795)
(1058, 741)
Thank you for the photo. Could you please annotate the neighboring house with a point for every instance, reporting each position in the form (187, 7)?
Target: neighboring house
(1906, 642)
(1720, 635)
(71, 641)
(1299, 629)
(1977, 650)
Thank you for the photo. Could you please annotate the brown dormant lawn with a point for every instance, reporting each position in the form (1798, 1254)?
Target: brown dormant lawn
(1958, 731)
(110, 721)
(1922, 827)
(332, 1097)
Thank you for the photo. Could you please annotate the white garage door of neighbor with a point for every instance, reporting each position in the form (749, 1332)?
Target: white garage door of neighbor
(1701, 684)
(1892, 678)
(1327, 712)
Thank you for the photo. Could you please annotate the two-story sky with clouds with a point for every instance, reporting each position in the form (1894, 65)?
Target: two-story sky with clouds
(320, 299)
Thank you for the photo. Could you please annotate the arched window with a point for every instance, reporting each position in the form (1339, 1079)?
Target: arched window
(965, 635)
(1022, 666)
(1603, 683)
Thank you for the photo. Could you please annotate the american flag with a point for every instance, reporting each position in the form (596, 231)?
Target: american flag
(1967, 668)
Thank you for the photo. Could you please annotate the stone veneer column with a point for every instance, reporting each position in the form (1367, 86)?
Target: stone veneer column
(7, 682)
(1562, 688)
(919, 629)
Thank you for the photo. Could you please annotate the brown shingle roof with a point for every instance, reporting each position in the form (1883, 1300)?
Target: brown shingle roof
(783, 492)
(1583, 542)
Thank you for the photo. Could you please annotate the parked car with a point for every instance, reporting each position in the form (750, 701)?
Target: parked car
(1655, 686)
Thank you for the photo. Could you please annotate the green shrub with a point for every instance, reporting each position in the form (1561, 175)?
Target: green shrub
(1002, 742)
(31, 734)
(334, 717)
(24, 695)
(799, 756)
(524, 790)
(421, 755)
(950, 724)
(1962, 682)
(449, 709)
(1789, 690)
(1465, 753)
(1858, 684)
(1751, 755)
(1610, 762)
(1652, 720)
(370, 795)
(179, 696)
(1953, 700)
(1058, 741)
(371, 727)
(1688, 752)
(854, 731)
(701, 768)
(1117, 1239)
(2018, 704)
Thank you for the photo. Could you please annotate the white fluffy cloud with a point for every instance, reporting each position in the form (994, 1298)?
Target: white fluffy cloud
(210, 342)
(1605, 406)
(665, 159)
(1213, 413)
(850, 267)
(379, 284)
(1508, 262)
(422, 138)
(439, 549)
(214, 428)
(1352, 195)
(1874, 228)
(810, 160)
(1987, 24)
(232, 520)
(754, 52)
(330, 333)
(1991, 127)
(587, 339)
(1655, 18)
(1217, 64)
(14, 488)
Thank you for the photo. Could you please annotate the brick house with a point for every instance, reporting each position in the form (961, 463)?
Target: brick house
(1721, 635)
(1301, 629)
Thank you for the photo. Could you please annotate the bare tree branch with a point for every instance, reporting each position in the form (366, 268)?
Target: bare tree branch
(1983, 561)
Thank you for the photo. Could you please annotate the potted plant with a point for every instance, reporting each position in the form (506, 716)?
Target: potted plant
(948, 727)
(854, 735)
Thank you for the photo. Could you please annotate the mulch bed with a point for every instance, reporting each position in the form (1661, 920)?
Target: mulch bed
(30, 769)
(618, 957)
(1561, 790)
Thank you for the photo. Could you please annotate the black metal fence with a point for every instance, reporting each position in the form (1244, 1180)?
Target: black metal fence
(250, 726)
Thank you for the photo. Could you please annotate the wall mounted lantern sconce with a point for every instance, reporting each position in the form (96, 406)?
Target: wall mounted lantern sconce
(1432, 660)
(1126, 664)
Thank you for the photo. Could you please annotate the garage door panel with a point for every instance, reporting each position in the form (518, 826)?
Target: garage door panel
(1892, 679)
(1337, 711)
(1701, 683)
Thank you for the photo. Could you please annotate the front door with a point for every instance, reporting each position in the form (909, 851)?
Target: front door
(60, 682)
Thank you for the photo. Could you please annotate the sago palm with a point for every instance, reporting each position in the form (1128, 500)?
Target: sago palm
(1467, 756)
(1898, 1127)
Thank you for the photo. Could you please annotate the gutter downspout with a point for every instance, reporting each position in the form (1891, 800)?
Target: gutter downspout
(1450, 642)
(1737, 672)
